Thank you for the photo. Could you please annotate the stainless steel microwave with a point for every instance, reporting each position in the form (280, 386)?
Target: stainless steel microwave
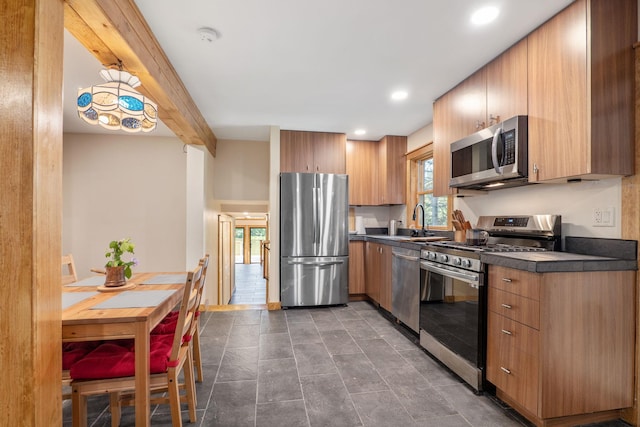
(492, 158)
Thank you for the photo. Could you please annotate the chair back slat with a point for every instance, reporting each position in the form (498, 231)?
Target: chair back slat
(69, 274)
(187, 312)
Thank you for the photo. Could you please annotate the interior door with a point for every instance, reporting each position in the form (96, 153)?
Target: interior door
(225, 259)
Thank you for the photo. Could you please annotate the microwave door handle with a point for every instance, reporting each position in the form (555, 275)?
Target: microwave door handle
(494, 150)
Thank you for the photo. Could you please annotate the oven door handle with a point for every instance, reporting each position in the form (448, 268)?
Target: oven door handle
(474, 279)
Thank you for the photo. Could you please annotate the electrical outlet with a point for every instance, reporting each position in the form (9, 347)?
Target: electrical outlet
(603, 217)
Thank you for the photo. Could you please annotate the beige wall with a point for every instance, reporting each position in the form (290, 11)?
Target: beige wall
(117, 186)
(242, 170)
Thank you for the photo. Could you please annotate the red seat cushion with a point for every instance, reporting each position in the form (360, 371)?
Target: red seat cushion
(165, 327)
(117, 359)
(74, 351)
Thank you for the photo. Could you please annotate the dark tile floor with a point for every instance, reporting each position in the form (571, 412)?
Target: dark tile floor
(250, 286)
(339, 366)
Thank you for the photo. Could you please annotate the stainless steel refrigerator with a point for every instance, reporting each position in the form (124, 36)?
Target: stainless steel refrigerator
(314, 239)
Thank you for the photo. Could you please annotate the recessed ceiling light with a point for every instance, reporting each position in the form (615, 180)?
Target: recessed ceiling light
(485, 15)
(399, 95)
(360, 131)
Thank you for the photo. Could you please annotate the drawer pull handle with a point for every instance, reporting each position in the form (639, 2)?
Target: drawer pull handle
(505, 370)
(506, 279)
(507, 306)
(504, 331)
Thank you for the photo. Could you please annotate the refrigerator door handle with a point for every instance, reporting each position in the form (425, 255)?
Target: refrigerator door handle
(317, 263)
(315, 220)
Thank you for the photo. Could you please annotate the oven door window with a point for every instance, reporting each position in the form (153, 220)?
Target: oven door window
(450, 311)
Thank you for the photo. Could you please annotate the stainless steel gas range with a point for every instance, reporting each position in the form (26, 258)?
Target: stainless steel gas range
(453, 292)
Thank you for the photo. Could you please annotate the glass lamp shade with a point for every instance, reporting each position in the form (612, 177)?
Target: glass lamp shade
(116, 104)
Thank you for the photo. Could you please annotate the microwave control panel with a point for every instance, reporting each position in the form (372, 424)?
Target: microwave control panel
(509, 138)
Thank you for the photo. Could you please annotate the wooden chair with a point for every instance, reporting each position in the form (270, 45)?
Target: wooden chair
(195, 333)
(168, 323)
(88, 374)
(70, 275)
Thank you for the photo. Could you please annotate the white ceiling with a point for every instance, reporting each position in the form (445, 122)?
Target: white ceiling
(327, 65)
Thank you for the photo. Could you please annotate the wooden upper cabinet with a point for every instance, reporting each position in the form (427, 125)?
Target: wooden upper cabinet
(392, 168)
(507, 84)
(377, 171)
(311, 152)
(581, 96)
(492, 94)
(362, 168)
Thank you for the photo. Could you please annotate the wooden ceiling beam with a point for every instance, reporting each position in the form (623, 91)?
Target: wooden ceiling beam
(115, 30)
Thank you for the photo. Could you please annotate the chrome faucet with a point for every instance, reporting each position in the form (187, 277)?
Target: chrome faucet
(419, 205)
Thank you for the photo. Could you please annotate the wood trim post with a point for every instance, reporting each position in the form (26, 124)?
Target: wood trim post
(631, 230)
(31, 41)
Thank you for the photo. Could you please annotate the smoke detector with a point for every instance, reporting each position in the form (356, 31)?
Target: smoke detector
(208, 34)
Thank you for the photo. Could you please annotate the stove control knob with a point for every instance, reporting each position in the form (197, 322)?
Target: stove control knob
(457, 261)
(444, 258)
(466, 263)
(432, 255)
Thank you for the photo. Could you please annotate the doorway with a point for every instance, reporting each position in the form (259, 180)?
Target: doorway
(250, 282)
(248, 241)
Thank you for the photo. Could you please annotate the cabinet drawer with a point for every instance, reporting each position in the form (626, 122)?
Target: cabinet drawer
(515, 307)
(511, 367)
(515, 281)
(507, 333)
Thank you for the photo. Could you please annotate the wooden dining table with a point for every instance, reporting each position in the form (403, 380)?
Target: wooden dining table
(132, 312)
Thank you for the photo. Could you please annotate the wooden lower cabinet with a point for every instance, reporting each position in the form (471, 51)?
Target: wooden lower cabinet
(560, 346)
(356, 267)
(378, 273)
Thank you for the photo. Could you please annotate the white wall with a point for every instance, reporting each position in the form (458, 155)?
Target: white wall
(575, 202)
(420, 137)
(117, 186)
(194, 190)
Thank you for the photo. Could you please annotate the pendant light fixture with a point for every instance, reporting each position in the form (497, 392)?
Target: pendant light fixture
(116, 104)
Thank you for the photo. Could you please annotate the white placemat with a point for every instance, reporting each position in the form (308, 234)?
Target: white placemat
(166, 279)
(71, 298)
(89, 281)
(135, 299)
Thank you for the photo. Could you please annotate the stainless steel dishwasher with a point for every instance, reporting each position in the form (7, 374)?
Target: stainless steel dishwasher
(405, 286)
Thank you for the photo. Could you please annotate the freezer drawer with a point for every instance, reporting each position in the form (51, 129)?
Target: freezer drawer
(311, 281)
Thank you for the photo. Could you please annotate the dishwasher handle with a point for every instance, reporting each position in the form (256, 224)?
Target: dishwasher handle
(406, 257)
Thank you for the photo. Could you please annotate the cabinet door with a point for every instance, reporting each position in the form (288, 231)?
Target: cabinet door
(356, 267)
(507, 84)
(385, 261)
(392, 170)
(362, 168)
(470, 105)
(296, 151)
(372, 271)
(456, 114)
(442, 138)
(558, 104)
(329, 152)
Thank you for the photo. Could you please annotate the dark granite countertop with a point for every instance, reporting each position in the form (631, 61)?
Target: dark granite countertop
(403, 240)
(546, 262)
(581, 254)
